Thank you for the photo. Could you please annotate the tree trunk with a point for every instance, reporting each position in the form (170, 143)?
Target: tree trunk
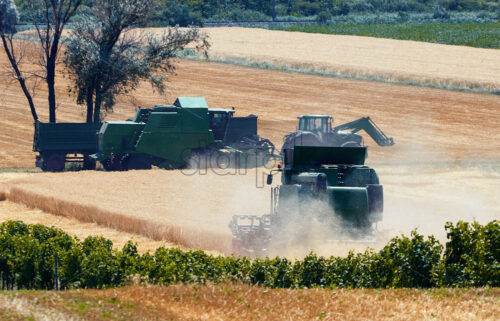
(51, 66)
(90, 105)
(20, 79)
(51, 77)
(273, 13)
(97, 107)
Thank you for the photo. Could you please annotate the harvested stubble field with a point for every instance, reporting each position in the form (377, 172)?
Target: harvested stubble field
(189, 210)
(241, 302)
(428, 124)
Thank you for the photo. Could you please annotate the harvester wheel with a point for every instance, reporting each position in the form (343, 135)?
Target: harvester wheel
(236, 246)
(138, 163)
(113, 164)
(107, 165)
(55, 163)
(88, 163)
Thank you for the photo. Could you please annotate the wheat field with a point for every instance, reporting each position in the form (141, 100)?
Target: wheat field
(187, 209)
(390, 59)
(444, 166)
(425, 123)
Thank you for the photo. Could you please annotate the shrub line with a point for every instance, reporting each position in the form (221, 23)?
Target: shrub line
(470, 258)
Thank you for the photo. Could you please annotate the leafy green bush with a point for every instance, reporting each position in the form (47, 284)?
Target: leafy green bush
(29, 253)
(194, 12)
(472, 256)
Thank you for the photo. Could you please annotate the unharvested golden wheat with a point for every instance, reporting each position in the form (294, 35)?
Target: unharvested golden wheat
(179, 235)
(395, 60)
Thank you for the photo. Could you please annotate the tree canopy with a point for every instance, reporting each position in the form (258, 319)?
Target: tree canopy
(105, 57)
(8, 16)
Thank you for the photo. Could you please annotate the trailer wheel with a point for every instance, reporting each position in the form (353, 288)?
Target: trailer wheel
(138, 162)
(55, 163)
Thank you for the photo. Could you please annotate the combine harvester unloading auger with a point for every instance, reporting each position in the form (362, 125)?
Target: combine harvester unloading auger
(326, 182)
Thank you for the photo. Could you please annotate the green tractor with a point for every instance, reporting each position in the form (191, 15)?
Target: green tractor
(168, 136)
(317, 130)
(328, 185)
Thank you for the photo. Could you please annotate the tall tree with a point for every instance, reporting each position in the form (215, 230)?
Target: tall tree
(50, 17)
(106, 57)
(8, 20)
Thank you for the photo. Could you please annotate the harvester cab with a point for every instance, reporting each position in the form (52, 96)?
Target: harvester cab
(319, 124)
(238, 133)
(219, 119)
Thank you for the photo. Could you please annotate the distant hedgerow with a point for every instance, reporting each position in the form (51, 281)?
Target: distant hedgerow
(481, 35)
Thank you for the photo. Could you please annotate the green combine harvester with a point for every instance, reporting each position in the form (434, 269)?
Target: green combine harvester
(170, 136)
(167, 136)
(324, 179)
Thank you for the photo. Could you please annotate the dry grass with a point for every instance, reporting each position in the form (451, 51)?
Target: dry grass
(361, 56)
(14, 307)
(241, 302)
